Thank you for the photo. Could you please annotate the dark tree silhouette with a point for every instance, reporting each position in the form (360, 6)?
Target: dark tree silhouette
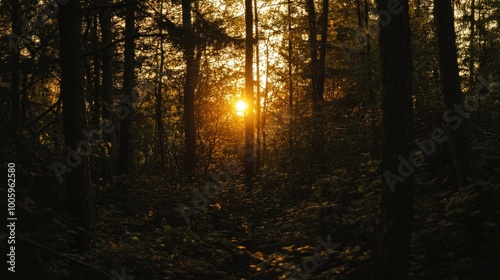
(450, 87)
(107, 84)
(249, 116)
(323, 22)
(78, 184)
(313, 45)
(125, 163)
(189, 89)
(258, 108)
(159, 125)
(15, 65)
(318, 75)
(397, 128)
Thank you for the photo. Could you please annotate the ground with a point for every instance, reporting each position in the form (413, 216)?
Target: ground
(274, 229)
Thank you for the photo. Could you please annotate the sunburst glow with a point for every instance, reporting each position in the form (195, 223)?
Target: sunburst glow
(241, 107)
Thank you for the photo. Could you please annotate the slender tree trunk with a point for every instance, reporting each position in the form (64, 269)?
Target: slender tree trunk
(258, 107)
(397, 127)
(78, 185)
(249, 116)
(313, 45)
(291, 131)
(371, 92)
(290, 58)
(358, 12)
(450, 87)
(189, 90)
(125, 163)
(160, 130)
(483, 38)
(313, 73)
(318, 73)
(471, 43)
(107, 86)
(264, 107)
(15, 65)
(95, 80)
(25, 101)
(320, 118)
(322, 53)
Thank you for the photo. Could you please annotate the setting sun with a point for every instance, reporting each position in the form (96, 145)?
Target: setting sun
(241, 106)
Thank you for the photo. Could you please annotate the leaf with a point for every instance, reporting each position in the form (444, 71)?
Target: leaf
(491, 225)
(258, 255)
(134, 238)
(475, 213)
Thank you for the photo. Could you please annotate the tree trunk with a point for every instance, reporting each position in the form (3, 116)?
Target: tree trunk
(397, 127)
(257, 104)
(15, 66)
(249, 117)
(371, 92)
(318, 73)
(160, 129)
(313, 73)
(450, 87)
(264, 107)
(78, 185)
(125, 163)
(190, 160)
(94, 81)
(358, 12)
(319, 114)
(25, 101)
(322, 53)
(107, 87)
(313, 45)
(291, 113)
(471, 42)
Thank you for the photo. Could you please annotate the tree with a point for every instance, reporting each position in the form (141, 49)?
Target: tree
(107, 83)
(189, 89)
(318, 75)
(291, 129)
(78, 184)
(397, 129)
(450, 87)
(472, 31)
(249, 116)
(125, 163)
(313, 45)
(159, 125)
(94, 77)
(15, 65)
(322, 53)
(257, 104)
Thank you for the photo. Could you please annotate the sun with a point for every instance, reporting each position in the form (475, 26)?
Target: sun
(241, 106)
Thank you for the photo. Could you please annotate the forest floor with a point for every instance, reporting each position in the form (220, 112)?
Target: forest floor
(262, 232)
(323, 230)
(275, 229)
